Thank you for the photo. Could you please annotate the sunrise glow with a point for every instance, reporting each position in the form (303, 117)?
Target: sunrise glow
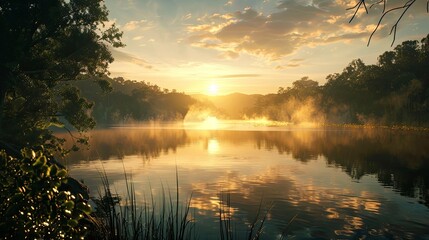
(238, 44)
(213, 89)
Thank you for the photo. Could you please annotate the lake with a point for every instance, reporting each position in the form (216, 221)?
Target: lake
(333, 183)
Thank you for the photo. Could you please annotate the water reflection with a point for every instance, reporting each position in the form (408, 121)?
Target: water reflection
(213, 146)
(120, 142)
(338, 181)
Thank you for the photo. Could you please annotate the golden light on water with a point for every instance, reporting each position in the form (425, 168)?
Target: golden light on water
(249, 161)
(213, 146)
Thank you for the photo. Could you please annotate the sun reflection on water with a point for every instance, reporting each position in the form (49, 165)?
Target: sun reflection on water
(212, 146)
(301, 171)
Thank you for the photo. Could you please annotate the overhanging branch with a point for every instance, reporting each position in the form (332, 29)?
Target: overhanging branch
(401, 9)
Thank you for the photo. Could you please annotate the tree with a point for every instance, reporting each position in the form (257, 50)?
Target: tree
(305, 88)
(44, 45)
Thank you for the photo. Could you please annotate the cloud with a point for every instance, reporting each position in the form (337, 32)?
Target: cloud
(292, 25)
(289, 65)
(136, 38)
(293, 63)
(187, 17)
(239, 76)
(126, 57)
(141, 25)
(229, 55)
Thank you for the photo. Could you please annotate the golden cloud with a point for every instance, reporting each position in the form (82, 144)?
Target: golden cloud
(141, 25)
(291, 26)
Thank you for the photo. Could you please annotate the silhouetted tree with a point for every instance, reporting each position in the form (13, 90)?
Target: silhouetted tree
(393, 91)
(44, 45)
(131, 101)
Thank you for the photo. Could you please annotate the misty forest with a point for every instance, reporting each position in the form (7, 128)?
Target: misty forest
(392, 92)
(88, 153)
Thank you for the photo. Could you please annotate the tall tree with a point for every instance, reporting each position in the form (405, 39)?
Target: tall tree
(44, 45)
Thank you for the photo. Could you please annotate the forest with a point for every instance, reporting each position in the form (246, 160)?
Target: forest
(128, 101)
(394, 91)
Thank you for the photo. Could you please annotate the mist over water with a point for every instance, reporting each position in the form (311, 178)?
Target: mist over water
(305, 116)
(293, 113)
(339, 182)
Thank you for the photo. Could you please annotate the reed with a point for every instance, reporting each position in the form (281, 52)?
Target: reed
(120, 217)
(228, 228)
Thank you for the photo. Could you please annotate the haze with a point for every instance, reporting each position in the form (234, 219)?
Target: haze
(250, 46)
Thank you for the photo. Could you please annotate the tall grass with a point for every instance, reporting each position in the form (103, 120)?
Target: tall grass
(123, 219)
(227, 227)
(120, 218)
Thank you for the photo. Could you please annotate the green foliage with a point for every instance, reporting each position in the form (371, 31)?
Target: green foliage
(394, 91)
(45, 44)
(33, 202)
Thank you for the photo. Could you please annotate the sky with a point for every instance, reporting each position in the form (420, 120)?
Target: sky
(249, 46)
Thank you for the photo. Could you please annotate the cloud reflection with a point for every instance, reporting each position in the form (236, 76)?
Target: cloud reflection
(329, 177)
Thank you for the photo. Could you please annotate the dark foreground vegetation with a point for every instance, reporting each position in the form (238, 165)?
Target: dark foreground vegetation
(46, 45)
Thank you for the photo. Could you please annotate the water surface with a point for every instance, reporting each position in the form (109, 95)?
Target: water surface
(335, 183)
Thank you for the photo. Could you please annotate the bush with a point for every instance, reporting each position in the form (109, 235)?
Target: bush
(34, 202)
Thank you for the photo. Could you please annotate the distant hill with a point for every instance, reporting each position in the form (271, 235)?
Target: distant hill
(234, 105)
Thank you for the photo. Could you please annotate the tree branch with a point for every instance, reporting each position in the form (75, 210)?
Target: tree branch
(381, 1)
(358, 6)
(404, 8)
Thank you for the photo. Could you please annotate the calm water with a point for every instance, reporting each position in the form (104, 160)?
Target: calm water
(339, 183)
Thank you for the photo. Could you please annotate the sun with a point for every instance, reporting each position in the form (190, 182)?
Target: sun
(213, 89)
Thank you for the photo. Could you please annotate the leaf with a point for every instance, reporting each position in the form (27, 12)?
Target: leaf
(61, 173)
(53, 170)
(28, 153)
(41, 161)
(69, 205)
(84, 207)
(72, 223)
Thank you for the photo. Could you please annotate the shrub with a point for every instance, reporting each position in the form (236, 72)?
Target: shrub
(34, 202)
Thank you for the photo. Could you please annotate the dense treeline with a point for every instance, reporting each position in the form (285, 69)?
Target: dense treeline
(125, 101)
(395, 90)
